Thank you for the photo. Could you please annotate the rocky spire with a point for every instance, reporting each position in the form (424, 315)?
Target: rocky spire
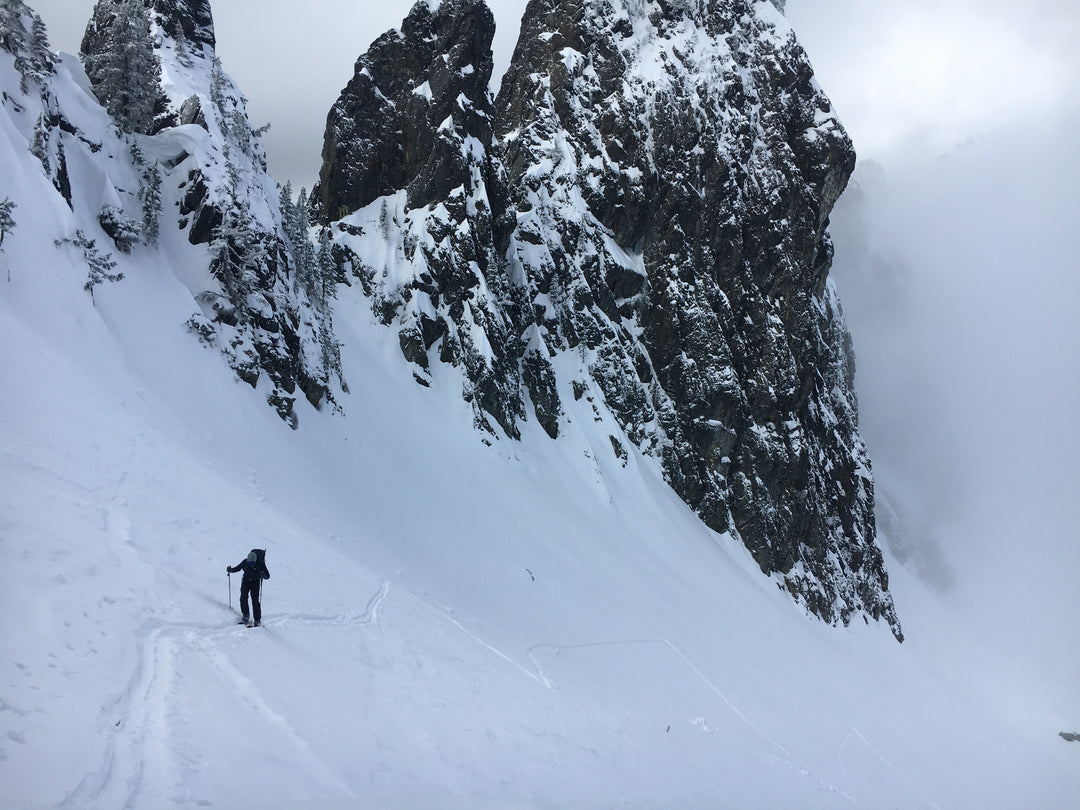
(187, 21)
(678, 164)
(429, 77)
(409, 159)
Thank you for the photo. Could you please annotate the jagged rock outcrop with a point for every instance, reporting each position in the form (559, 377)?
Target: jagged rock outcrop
(672, 166)
(210, 165)
(408, 165)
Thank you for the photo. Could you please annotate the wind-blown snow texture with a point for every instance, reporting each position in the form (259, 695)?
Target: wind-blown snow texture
(536, 623)
(671, 168)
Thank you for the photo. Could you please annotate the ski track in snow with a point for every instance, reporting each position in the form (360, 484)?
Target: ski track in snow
(250, 694)
(789, 759)
(369, 616)
(136, 715)
(138, 760)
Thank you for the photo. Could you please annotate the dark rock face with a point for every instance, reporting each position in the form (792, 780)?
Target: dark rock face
(672, 167)
(186, 21)
(189, 23)
(383, 134)
(678, 166)
(409, 148)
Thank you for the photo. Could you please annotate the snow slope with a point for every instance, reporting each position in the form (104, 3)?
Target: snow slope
(449, 623)
(446, 621)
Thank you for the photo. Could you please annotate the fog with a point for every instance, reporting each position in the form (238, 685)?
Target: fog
(954, 259)
(957, 268)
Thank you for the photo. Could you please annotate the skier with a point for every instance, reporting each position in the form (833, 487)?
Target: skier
(255, 571)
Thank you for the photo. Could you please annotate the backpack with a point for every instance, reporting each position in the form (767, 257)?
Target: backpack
(260, 563)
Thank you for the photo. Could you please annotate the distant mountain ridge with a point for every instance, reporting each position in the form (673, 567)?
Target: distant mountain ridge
(638, 220)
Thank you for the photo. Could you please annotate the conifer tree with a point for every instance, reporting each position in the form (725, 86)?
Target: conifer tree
(239, 256)
(38, 147)
(7, 223)
(306, 261)
(234, 120)
(150, 196)
(40, 60)
(125, 232)
(327, 265)
(120, 61)
(33, 57)
(100, 265)
(288, 213)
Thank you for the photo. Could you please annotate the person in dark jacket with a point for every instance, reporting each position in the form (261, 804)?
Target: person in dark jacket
(255, 572)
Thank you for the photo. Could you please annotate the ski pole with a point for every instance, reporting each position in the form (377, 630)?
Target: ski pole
(229, 575)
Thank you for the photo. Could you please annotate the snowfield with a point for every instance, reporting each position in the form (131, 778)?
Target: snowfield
(447, 623)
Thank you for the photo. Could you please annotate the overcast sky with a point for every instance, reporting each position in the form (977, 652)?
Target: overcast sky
(955, 256)
(910, 75)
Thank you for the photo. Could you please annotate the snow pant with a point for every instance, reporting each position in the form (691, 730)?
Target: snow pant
(250, 588)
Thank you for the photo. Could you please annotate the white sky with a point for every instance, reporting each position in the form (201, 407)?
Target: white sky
(922, 76)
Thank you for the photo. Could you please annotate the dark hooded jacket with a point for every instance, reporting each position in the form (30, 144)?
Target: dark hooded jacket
(253, 571)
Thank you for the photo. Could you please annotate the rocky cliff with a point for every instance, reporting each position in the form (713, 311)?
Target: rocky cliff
(412, 178)
(669, 168)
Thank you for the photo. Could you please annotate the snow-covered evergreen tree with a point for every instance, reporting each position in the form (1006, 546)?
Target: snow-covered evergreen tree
(288, 214)
(123, 230)
(120, 61)
(30, 45)
(37, 146)
(234, 118)
(239, 254)
(7, 223)
(307, 266)
(100, 265)
(150, 195)
(327, 265)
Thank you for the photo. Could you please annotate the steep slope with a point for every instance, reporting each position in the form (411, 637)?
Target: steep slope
(262, 306)
(671, 168)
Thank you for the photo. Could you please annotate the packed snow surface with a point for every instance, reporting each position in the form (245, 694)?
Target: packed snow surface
(447, 623)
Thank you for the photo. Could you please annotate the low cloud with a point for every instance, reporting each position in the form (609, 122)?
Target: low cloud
(957, 270)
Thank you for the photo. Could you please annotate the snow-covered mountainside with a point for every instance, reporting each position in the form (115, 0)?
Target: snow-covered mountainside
(449, 622)
(262, 300)
(669, 170)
